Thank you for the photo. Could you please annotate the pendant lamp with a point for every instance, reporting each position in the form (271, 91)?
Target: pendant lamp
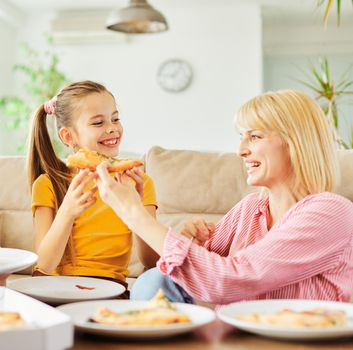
(137, 18)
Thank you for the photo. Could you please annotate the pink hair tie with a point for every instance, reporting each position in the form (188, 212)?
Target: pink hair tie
(49, 106)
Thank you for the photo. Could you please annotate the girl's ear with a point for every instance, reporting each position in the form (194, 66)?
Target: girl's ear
(65, 136)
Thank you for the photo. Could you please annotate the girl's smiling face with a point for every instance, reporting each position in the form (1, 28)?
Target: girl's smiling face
(97, 125)
(266, 158)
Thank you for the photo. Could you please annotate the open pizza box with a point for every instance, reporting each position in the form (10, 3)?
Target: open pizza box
(46, 327)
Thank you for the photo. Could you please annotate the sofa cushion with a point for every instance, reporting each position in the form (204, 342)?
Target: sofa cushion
(17, 228)
(196, 182)
(0, 227)
(15, 194)
(345, 186)
(177, 221)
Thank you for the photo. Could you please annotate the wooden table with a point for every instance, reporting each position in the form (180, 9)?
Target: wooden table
(214, 336)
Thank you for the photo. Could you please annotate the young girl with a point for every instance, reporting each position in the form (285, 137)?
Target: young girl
(75, 232)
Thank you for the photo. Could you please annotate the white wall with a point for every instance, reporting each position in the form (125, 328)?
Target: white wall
(283, 72)
(7, 58)
(222, 42)
(292, 49)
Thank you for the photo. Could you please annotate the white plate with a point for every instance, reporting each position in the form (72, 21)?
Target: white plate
(229, 312)
(63, 289)
(12, 260)
(81, 312)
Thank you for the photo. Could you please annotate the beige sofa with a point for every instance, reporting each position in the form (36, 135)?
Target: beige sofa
(189, 184)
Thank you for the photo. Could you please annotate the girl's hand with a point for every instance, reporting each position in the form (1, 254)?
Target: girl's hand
(199, 231)
(77, 200)
(137, 176)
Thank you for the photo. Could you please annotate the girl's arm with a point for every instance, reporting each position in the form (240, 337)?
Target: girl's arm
(146, 254)
(52, 231)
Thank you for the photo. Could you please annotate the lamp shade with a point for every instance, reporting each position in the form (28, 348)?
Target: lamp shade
(139, 17)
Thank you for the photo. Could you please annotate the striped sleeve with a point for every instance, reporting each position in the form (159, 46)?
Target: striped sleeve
(310, 239)
(225, 231)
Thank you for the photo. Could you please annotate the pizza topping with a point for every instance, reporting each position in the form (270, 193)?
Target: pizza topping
(159, 311)
(318, 317)
(10, 320)
(84, 287)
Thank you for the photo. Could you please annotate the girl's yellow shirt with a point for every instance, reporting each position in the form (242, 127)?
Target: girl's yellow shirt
(102, 242)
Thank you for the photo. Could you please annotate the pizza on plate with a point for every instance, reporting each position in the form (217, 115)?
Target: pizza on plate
(318, 317)
(159, 311)
(85, 158)
(10, 320)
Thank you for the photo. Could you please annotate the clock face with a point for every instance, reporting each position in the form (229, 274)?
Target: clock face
(174, 75)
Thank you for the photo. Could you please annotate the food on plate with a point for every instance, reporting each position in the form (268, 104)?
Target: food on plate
(79, 286)
(158, 312)
(85, 158)
(318, 317)
(10, 320)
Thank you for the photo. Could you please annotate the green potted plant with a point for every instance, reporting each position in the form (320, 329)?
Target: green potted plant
(328, 7)
(328, 93)
(43, 80)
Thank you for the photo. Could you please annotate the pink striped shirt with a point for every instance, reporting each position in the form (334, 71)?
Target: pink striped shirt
(308, 254)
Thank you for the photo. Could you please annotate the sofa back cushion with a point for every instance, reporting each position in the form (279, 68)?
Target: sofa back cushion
(345, 186)
(196, 182)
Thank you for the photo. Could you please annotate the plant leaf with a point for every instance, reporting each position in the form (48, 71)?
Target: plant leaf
(327, 11)
(338, 12)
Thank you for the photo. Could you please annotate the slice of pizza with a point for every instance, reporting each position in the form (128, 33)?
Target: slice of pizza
(85, 158)
(318, 317)
(159, 311)
(10, 320)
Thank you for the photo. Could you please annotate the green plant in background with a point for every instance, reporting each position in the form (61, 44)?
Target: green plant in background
(328, 7)
(43, 80)
(328, 93)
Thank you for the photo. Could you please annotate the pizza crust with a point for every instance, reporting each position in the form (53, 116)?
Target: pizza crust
(87, 159)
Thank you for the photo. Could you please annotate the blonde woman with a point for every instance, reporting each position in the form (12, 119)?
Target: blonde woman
(293, 240)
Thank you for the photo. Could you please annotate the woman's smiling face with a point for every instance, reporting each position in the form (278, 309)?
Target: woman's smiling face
(266, 158)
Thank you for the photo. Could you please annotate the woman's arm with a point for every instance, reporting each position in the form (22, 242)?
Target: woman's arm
(313, 239)
(121, 195)
(309, 241)
(146, 254)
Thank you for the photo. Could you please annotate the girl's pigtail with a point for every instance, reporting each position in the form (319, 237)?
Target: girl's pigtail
(41, 157)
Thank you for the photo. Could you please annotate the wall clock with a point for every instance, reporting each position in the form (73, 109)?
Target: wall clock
(174, 75)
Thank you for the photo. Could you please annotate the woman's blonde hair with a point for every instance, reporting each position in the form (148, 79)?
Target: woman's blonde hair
(302, 125)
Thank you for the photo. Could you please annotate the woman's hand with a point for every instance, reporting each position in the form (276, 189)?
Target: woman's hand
(137, 176)
(77, 200)
(120, 193)
(199, 231)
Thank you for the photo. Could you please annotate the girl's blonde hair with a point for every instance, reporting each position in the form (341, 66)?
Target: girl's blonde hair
(41, 157)
(302, 125)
